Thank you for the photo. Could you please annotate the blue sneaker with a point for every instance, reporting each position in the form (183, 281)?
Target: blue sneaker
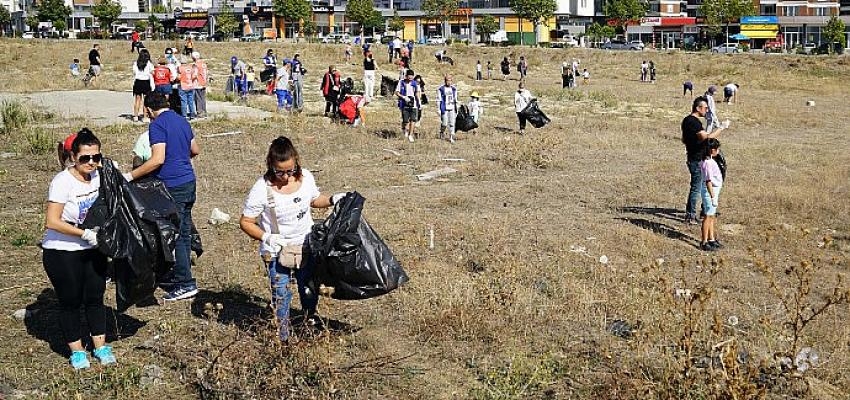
(104, 355)
(80, 360)
(181, 293)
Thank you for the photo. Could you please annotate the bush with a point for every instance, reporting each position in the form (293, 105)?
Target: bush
(14, 116)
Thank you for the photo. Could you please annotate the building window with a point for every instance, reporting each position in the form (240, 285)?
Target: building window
(583, 3)
(792, 11)
(669, 8)
(822, 12)
(767, 9)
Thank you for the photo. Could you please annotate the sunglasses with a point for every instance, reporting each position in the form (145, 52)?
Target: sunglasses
(85, 159)
(287, 172)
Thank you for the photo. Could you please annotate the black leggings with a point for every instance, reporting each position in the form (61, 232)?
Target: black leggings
(79, 278)
(522, 120)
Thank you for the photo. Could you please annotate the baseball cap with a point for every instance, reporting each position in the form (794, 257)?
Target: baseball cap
(409, 73)
(234, 60)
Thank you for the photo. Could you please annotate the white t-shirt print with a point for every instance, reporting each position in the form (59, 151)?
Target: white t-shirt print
(77, 197)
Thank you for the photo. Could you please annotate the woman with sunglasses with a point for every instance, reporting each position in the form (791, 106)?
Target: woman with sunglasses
(277, 213)
(73, 264)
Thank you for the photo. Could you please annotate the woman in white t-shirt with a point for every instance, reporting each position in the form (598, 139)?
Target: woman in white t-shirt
(75, 267)
(522, 98)
(277, 213)
(142, 83)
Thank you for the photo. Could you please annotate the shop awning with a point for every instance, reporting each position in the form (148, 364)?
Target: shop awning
(760, 34)
(191, 23)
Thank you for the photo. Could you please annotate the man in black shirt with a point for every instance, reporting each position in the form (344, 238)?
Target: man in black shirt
(693, 136)
(94, 62)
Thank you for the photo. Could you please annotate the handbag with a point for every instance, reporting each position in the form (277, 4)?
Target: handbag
(289, 256)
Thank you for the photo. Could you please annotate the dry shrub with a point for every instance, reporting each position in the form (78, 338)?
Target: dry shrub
(534, 150)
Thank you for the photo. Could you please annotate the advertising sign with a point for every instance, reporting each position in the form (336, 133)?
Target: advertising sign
(760, 19)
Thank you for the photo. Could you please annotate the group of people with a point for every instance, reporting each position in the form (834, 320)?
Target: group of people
(409, 93)
(570, 74)
(284, 79)
(186, 78)
(276, 213)
(647, 71)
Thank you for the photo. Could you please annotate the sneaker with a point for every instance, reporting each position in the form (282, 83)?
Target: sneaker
(706, 246)
(451, 139)
(104, 355)
(181, 293)
(80, 360)
(691, 221)
(716, 244)
(410, 138)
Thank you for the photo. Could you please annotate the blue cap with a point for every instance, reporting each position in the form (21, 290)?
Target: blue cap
(233, 60)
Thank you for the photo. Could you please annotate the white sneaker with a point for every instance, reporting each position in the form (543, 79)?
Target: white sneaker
(410, 138)
(451, 139)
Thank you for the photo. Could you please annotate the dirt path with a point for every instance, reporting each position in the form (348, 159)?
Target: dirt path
(105, 107)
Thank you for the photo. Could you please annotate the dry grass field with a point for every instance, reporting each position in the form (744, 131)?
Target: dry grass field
(561, 266)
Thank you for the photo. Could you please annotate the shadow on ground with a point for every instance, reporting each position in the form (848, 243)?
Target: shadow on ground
(42, 323)
(661, 212)
(662, 229)
(250, 313)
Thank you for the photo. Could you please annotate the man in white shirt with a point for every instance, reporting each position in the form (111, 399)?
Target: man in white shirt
(397, 47)
(447, 104)
(409, 102)
(522, 98)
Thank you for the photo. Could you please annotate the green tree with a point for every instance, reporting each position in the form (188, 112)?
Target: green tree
(396, 23)
(141, 26)
(375, 22)
(53, 11)
(623, 11)
(309, 28)
(720, 12)
(226, 23)
(597, 31)
(155, 25)
(106, 12)
(439, 10)
(535, 11)
(359, 11)
(485, 27)
(159, 9)
(5, 19)
(834, 32)
(60, 26)
(294, 11)
(32, 22)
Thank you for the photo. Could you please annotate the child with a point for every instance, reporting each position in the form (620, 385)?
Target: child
(284, 98)
(475, 107)
(249, 76)
(489, 70)
(585, 76)
(710, 194)
(478, 71)
(688, 87)
(75, 68)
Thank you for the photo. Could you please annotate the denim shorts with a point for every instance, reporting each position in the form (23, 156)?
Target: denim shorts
(710, 210)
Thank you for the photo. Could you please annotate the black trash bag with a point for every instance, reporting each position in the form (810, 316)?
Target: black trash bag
(137, 227)
(388, 86)
(267, 74)
(350, 255)
(721, 163)
(534, 115)
(464, 121)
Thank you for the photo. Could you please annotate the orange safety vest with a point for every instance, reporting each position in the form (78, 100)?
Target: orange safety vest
(201, 69)
(188, 76)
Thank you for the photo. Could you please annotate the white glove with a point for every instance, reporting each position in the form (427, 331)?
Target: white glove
(714, 203)
(274, 240)
(90, 236)
(337, 197)
(725, 124)
(128, 176)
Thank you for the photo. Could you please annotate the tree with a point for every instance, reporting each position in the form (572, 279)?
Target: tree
(53, 11)
(159, 9)
(293, 10)
(834, 32)
(226, 23)
(60, 26)
(5, 19)
(375, 21)
(309, 28)
(32, 22)
(486, 27)
(624, 11)
(396, 23)
(597, 31)
(359, 11)
(106, 12)
(141, 26)
(720, 12)
(535, 11)
(155, 25)
(439, 10)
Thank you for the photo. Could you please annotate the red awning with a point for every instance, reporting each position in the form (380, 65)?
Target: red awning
(678, 21)
(191, 23)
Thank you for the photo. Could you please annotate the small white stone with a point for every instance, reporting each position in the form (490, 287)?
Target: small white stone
(218, 217)
(603, 259)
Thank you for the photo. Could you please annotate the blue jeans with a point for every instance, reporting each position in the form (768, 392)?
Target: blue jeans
(187, 103)
(181, 275)
(279, 278)
(695, 192)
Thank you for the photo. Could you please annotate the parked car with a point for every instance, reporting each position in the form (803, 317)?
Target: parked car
(499, 38)
(638, 44)
(27, 35)
(726, 48)
(809, 48)
(436, 39)
(567, 40)
(251, 37)
(336, 38)
(621, 45)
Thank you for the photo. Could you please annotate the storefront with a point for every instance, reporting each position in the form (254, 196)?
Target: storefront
(195, 21)
(760, 29)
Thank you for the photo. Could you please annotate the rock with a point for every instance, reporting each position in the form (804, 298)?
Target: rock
(22, 314)
(810, 103)
(218, 217)
(603, 259)
(151, 375)
(621, 328)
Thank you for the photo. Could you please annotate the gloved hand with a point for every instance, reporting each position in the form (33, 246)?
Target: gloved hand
(274, 240)
(128, 176)
(714, 203)
(337, 197)
(90, 236)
